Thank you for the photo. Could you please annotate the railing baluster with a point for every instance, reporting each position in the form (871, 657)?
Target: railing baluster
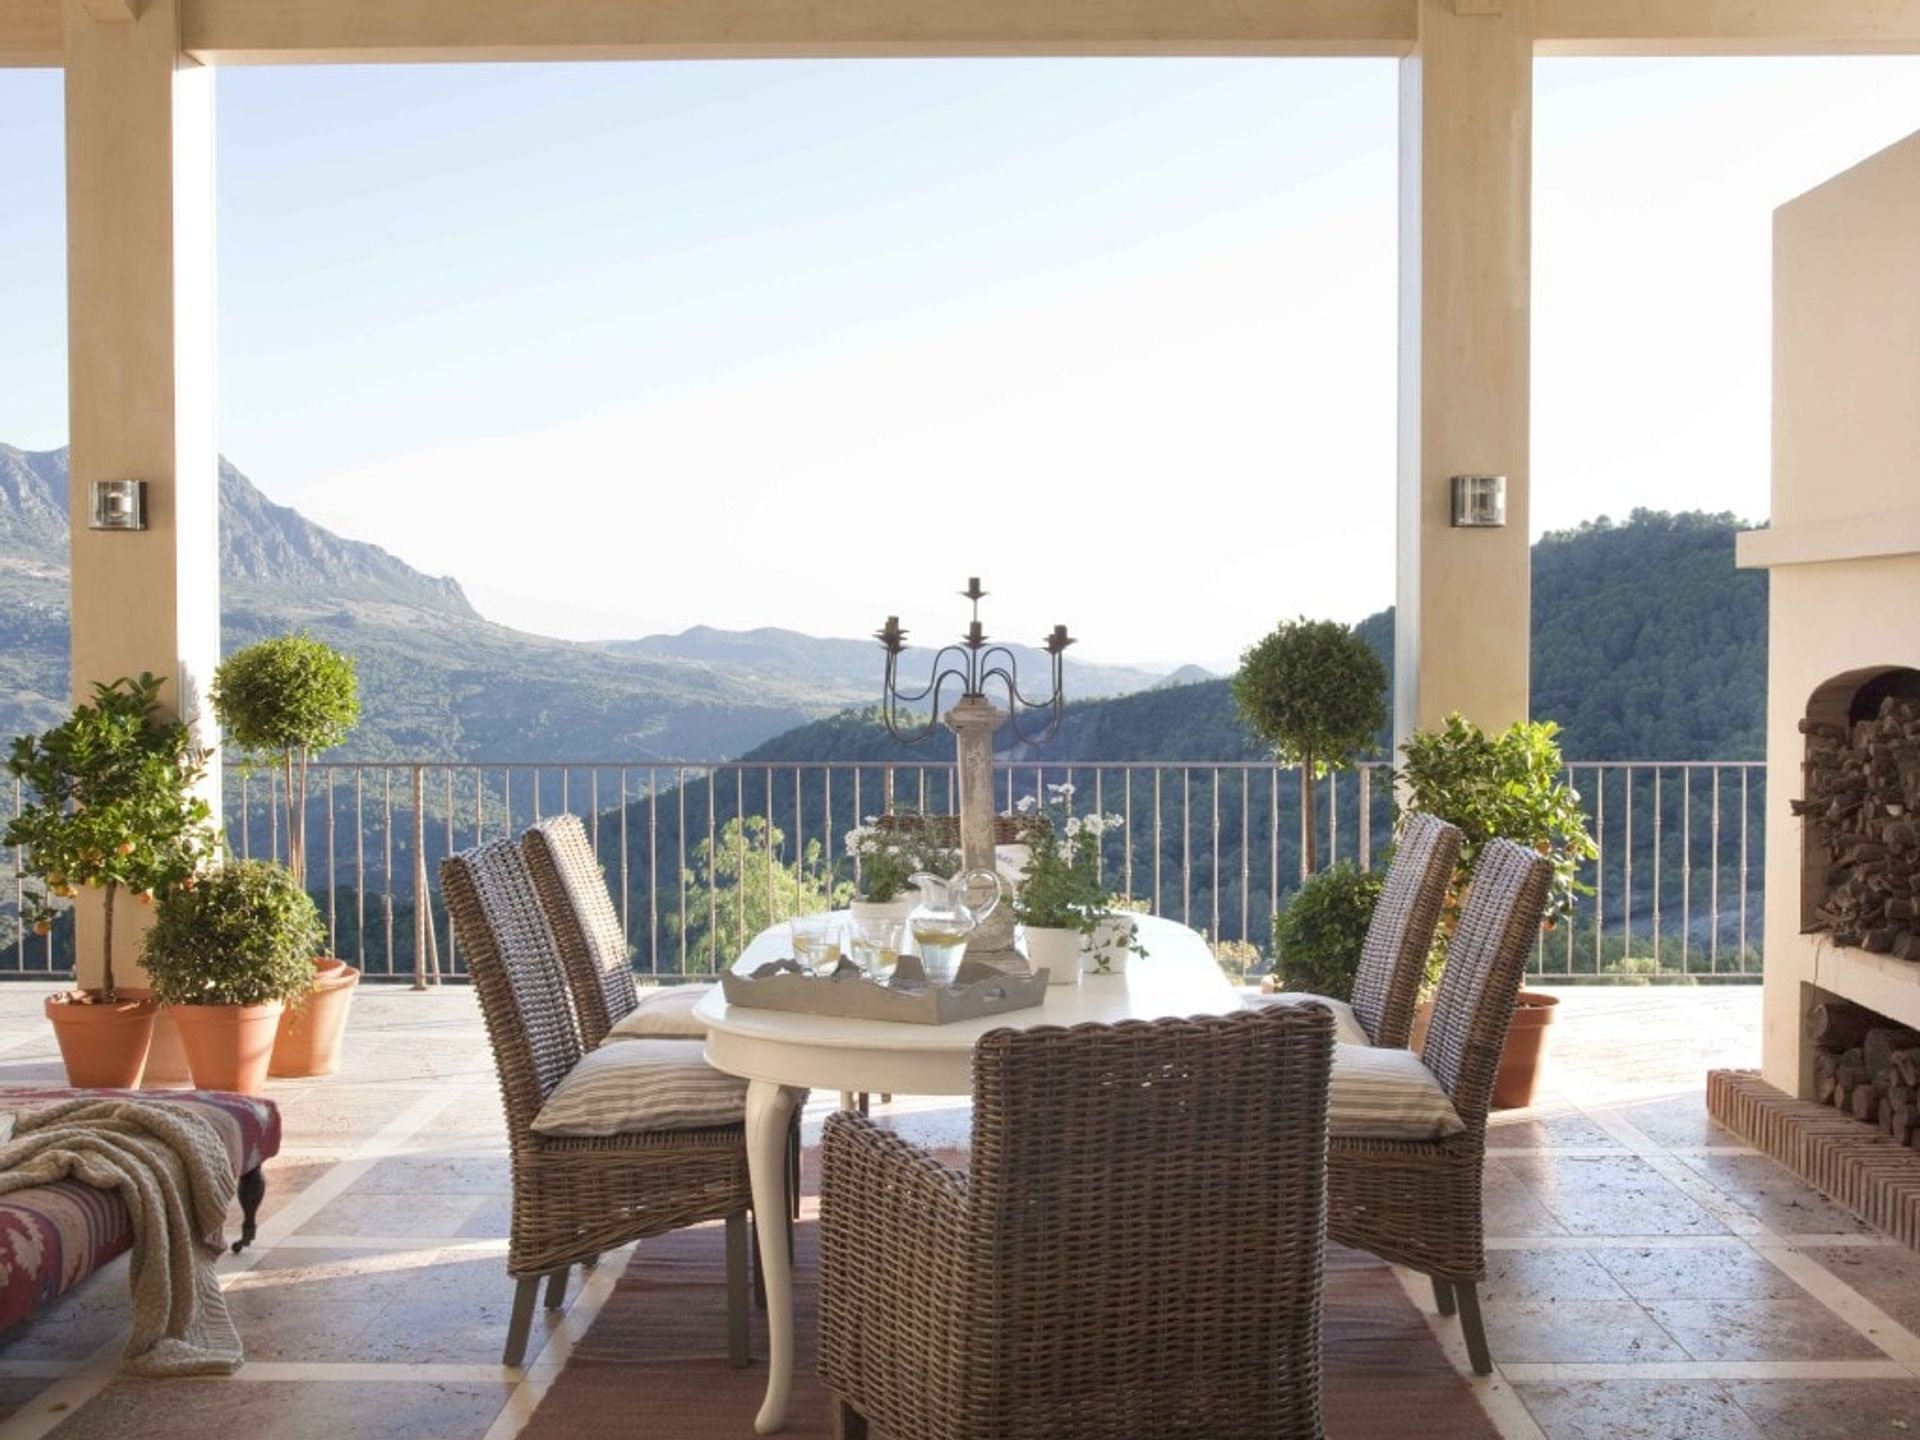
(1686, 867)
(1213, 818)
(1741, 962)
(1656, 868)
(1246, 845)
(1186, 845)
(680, 858)
(653, 871)
(1626, 906)
(1713, 953)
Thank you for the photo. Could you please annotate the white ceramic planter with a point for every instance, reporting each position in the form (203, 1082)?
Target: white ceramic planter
(1111, 942)
(1055, 951)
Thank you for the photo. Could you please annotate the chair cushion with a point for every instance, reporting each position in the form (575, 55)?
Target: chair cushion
(1347, 1029)
(1386, 1094)
(665, 1012)
(642, 1085)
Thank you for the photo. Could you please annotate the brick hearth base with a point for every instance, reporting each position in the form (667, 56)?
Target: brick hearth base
(1845, 1159)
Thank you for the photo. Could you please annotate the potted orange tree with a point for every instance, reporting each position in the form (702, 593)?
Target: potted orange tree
(1510, 784)
(110, 804)
(280, 700)
(227, 956)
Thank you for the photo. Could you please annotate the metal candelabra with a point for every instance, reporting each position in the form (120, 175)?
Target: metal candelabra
(974, 665)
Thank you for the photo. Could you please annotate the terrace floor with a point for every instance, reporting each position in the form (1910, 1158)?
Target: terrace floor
(1651, 1277)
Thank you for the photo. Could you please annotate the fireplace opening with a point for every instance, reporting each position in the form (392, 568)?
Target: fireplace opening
(1860, 820)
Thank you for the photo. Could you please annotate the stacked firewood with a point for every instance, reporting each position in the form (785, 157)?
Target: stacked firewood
(1863, 808)
(1867, 1067)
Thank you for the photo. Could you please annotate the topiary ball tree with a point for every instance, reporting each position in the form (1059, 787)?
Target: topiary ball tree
(1315, 692)
(280, 700)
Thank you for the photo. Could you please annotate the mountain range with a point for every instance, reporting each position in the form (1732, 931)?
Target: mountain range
(438, 680)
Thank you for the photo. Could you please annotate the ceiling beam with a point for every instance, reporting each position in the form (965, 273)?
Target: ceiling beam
(30, 33)
(264, 31)
(306, 31)
(1727, 27)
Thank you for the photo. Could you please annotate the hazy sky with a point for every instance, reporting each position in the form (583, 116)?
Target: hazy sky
(631, 347)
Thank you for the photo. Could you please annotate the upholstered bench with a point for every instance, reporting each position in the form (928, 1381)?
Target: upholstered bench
(53, 1236)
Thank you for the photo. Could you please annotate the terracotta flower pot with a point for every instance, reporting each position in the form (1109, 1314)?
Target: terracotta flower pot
(228, 1046)
(166, 1057)
(309, 1038)
(1525, 1054)
(103, 1046)
(1422, 1018)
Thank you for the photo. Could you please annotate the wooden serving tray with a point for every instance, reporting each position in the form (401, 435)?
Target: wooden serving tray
(978, 990)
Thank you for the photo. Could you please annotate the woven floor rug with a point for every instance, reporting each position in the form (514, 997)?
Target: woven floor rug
(653, 1363)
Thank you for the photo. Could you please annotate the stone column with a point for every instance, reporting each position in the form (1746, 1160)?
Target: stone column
(1466, 136)
(140, 270)
(973, 721)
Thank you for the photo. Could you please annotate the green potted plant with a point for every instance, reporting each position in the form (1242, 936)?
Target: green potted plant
(1315, 692)
(1319, 934)
(280, 700)
(1510, 785)
(1060, 901)
(109, 804)
(887, 857)
(227, 956)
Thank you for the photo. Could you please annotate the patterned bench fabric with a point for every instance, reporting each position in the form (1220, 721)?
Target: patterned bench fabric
(53, 1236)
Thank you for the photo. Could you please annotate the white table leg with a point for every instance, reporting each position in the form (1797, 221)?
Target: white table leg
(769, 1115)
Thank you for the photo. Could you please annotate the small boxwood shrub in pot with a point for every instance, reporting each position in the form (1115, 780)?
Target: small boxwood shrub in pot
(225, 956)
(1318, 936)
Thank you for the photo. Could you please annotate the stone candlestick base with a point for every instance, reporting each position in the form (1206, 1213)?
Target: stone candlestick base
(973, 721)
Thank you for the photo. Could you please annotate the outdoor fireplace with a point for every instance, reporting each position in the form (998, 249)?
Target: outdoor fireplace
(1842, 551)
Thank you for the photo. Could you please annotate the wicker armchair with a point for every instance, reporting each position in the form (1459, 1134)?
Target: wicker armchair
(1137, 1249)
(586, 927)
(1417, 1202)
(575, 1197)
(1386, 986)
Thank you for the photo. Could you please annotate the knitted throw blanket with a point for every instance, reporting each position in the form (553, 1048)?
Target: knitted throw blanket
(170, 1168)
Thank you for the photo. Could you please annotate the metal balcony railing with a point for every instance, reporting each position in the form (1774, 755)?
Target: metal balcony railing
(699, 855)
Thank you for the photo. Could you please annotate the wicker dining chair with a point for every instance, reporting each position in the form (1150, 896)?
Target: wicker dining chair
(1418, 1202)
(1393, 960)
(575, 1197)
(586, 927)
(1137, 1248)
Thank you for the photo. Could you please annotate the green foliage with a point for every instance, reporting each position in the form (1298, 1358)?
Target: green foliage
(890, 858)
(1316, 692)
(289, 693)
(283, 699)
(1061, 888)
(110, 802)
(1318, 936)
(1313, 690)
(1507, 785)
(242, 934)
(739, 884)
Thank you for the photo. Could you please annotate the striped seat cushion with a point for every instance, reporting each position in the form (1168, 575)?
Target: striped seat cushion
(641, 1085)
(665, 1012)
(1347, 1029)
(1383, 1094)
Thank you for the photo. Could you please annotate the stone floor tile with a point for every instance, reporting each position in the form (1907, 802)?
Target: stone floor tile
(1550, 1274)
(1761, 1328)
(1696, 1273)
(1888, 1275)
(1509, 1207)
(1678, 1121)
(1774, 1195)
(1576, 1332)
(285, 1410)
(386, 1213)
(1831, 1409)
(1548, 1132)
(1638, 1410)
(1611, 1195)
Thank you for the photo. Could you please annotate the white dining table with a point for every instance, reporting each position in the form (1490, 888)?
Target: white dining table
(782, 1054)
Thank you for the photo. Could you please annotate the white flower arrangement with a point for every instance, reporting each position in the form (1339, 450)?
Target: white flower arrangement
(886, 860)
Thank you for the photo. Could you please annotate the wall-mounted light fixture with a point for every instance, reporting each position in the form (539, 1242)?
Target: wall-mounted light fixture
(1479, 501)
(118, 505)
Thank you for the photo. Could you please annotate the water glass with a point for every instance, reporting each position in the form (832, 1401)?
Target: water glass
(877, 945)
(816, 942)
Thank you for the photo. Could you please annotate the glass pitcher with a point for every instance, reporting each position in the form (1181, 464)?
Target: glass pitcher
(946, 915)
